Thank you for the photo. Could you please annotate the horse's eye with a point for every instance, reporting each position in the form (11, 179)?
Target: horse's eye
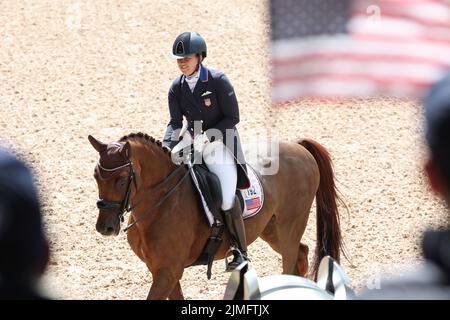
(121, 182)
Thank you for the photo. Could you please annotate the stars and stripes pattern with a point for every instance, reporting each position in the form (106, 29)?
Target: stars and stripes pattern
(358, 48)
(253, 203)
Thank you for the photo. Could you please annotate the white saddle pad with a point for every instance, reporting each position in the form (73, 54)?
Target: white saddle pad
(253, 196)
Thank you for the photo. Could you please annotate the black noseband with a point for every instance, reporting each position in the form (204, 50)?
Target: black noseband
(108, 205)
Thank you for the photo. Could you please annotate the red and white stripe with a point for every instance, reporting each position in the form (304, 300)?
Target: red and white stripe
(401, 54)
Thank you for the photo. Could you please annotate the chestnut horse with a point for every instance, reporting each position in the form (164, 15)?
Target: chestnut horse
(169, 230)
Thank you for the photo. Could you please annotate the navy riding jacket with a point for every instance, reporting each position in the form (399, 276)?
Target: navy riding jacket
(213, 103)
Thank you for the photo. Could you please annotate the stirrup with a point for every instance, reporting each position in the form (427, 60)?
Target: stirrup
(227, 264)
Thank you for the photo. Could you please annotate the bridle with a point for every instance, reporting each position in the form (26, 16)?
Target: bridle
(125, 205)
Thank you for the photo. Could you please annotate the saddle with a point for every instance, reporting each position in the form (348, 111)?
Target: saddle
(210, 195)
(210, 191)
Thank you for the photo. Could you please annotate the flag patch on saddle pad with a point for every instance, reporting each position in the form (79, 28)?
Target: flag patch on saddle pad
(251, 204)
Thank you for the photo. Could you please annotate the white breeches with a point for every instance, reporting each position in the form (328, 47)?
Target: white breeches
(220, 161)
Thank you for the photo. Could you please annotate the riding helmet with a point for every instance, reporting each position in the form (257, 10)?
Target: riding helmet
(187, 44)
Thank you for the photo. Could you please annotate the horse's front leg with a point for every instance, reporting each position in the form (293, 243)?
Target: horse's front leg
(177, 293)
(165, 284)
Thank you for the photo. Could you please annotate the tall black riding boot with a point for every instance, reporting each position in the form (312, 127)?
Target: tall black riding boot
(235, 226)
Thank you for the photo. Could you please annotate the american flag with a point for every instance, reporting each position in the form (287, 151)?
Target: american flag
(253, 203)
(344, 48)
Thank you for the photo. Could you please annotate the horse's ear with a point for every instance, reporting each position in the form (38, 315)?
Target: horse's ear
(99, 146)
(125, 151)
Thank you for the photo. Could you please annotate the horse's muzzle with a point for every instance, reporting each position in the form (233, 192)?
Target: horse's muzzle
(107, 229)
(108, 222)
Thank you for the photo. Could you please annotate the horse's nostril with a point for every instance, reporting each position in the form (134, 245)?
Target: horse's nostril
(106, 231)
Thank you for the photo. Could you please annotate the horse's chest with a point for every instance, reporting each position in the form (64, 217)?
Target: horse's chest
(136, 245)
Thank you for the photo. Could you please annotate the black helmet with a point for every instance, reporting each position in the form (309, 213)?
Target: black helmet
(187, 44)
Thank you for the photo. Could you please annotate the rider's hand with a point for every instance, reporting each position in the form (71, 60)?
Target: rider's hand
(200, 141)
(177, 157)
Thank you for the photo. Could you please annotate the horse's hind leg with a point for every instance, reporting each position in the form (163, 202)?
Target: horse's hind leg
(177, 293)
(289, 253)
(270, 235)
(295, 259)
(279, 243)
(302, 262)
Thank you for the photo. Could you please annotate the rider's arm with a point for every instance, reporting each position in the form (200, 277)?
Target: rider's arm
(171, 136)
(228, 104)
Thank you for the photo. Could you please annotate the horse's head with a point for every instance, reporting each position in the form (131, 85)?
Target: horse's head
(114, 175)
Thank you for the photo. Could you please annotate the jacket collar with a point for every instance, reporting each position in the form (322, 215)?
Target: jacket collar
(204, 77)
(203, 74)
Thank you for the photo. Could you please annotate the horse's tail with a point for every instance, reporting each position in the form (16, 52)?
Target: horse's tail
(329, 240)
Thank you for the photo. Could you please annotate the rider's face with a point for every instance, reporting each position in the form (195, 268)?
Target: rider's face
(188, 65)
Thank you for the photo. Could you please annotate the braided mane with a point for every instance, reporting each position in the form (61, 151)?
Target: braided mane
(146, 139)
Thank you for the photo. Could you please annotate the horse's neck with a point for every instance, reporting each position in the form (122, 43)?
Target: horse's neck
(154, 164)
(157, 181)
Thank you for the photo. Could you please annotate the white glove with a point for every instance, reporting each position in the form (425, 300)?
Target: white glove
(177, 157)
(200, 142)
(182, 149)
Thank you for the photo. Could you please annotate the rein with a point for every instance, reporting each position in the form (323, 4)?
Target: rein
(160, 202)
